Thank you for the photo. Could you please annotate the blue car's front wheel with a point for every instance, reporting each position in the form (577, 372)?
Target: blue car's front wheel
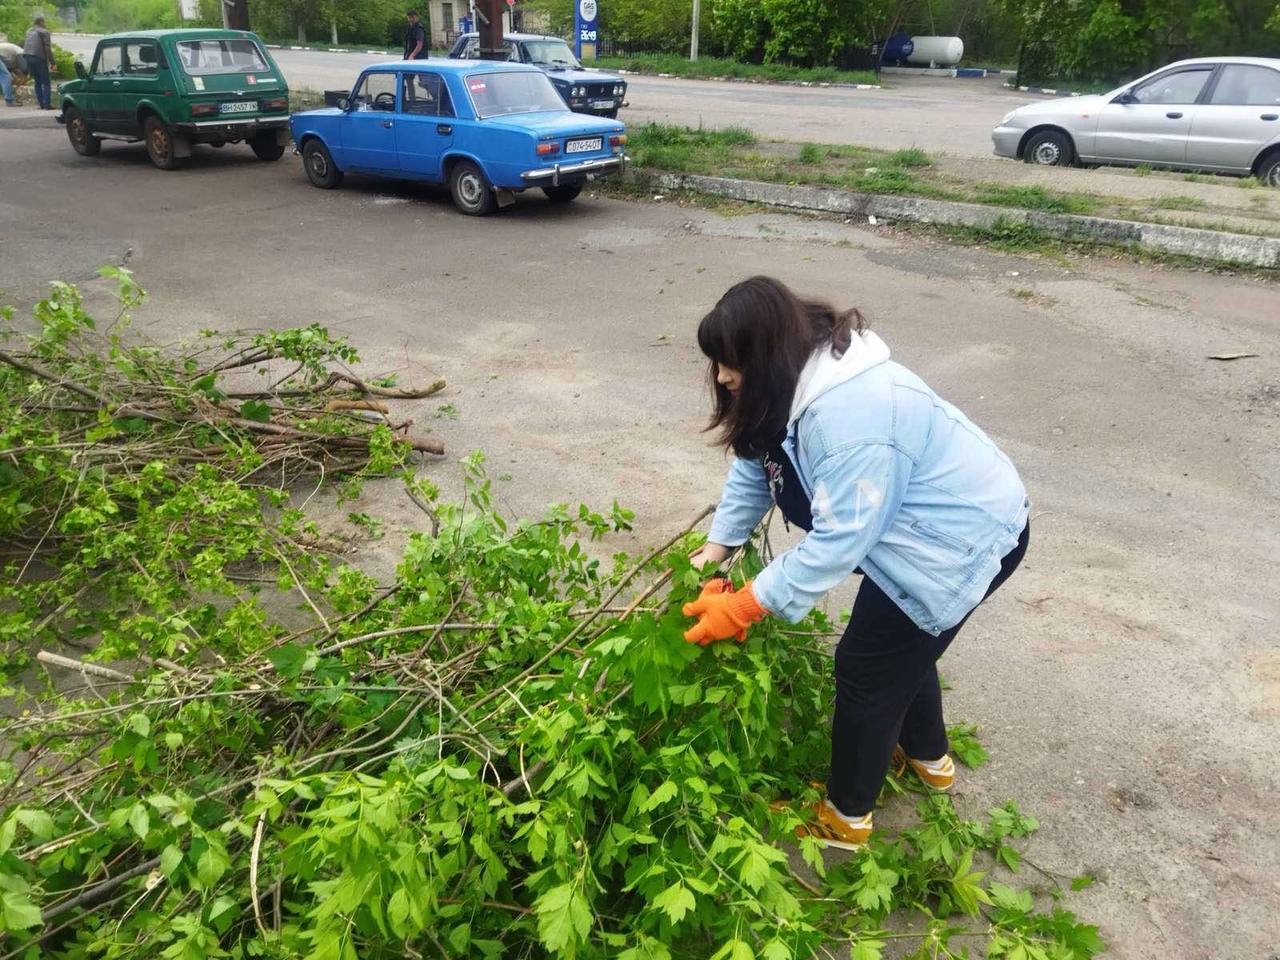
(471, 191)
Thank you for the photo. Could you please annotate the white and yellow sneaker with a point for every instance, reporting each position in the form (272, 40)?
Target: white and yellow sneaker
(938, 774)
(833, 829)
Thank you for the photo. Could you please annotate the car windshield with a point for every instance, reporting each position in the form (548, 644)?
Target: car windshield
(237, 55)
(550, 53)
(499, 94)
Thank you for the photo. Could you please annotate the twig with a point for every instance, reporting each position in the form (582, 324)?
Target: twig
(253, 873)
(95, 894)
(397, 631)
(90, 669)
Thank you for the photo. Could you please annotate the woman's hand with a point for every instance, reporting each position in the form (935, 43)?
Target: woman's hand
(710, 554)
(722, 612)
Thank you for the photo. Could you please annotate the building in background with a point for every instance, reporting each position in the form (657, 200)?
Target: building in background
(446, 18)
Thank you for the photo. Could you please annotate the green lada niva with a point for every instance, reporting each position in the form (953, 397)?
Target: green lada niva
(173, 88)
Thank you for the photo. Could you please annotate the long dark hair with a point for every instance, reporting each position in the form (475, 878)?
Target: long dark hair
(767, 333)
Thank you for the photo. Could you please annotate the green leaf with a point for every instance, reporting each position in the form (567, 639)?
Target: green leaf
(1005, 897)
(564, 918)
(398, 912)
(866, 949)
(666, 791)
(460, 937)
(775, 950)
(170, 860)
(675, 901)
(140, 820)
(210, 866)
(646, 948)
(1083, 881)
(140, 724)
(38, 822)
(735, 949)
(19, 912)
(288, 660)
(755, 870)
(255, 410)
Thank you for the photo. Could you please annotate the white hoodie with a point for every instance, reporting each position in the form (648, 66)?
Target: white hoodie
(825, 370)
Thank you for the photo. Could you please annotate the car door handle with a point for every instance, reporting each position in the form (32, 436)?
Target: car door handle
(115, 83)
(1271, 116)
(387, 124)
(1174, 115)
(445, 129)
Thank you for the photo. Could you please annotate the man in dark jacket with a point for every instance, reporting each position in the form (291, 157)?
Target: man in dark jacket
(38, 50)
(415, 39)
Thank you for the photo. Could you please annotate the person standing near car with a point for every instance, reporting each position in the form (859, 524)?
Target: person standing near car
(38, 49)
(415, 39)
(886, 479)
(6, 72)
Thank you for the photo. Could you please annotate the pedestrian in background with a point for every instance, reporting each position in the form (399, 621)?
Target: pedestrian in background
(415, 39)
(13, 69)
(6, 84)
(38, 50)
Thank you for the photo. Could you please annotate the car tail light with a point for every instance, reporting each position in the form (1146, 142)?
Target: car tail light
(200, 109)
(547, 149)
(618, 140)
(280, 103)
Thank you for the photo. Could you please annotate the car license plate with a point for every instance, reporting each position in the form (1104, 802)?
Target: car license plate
(584, 146)
(241, 106)
(602, 104)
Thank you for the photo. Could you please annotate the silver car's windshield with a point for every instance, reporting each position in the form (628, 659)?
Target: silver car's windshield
(499, 94)
(550, 53)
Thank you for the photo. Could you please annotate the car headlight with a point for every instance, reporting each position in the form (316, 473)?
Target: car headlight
(577, 91)
(619, 90)
(1007, 117)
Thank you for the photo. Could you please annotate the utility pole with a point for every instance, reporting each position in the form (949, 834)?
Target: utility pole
(489, 25)
(693, 40)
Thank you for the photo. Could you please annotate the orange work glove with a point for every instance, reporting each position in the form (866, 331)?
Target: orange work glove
(722, 613)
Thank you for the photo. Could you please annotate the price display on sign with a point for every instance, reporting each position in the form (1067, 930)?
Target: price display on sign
(585, 30)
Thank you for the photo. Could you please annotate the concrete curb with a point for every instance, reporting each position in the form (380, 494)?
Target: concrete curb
(975, 73)
(1052, 93)
(1230, 248)
(755, 80)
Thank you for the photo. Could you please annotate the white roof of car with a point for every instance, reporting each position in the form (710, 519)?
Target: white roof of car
(1252, 61)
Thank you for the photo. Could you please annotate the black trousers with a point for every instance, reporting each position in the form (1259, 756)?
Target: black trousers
(887, 692)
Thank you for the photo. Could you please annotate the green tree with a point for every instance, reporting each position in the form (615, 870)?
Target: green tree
(805, 32)
(112, 16)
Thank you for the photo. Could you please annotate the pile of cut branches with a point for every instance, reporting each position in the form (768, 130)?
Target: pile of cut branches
(134, 476)
(509, 751)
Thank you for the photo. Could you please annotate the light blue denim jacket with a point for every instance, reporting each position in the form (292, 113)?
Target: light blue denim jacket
(902, 484)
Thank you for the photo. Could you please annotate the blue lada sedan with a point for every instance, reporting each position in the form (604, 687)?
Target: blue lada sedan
(487, 129)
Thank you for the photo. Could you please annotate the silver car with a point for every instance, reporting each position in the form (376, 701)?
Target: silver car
(1217, 114)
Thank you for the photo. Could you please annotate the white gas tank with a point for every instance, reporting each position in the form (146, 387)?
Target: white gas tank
(936, 51)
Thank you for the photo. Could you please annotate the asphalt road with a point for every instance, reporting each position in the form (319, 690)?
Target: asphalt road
(1126, 680)
(937, 114)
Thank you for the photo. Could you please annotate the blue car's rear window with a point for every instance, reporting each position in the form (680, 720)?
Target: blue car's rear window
(500, 94)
